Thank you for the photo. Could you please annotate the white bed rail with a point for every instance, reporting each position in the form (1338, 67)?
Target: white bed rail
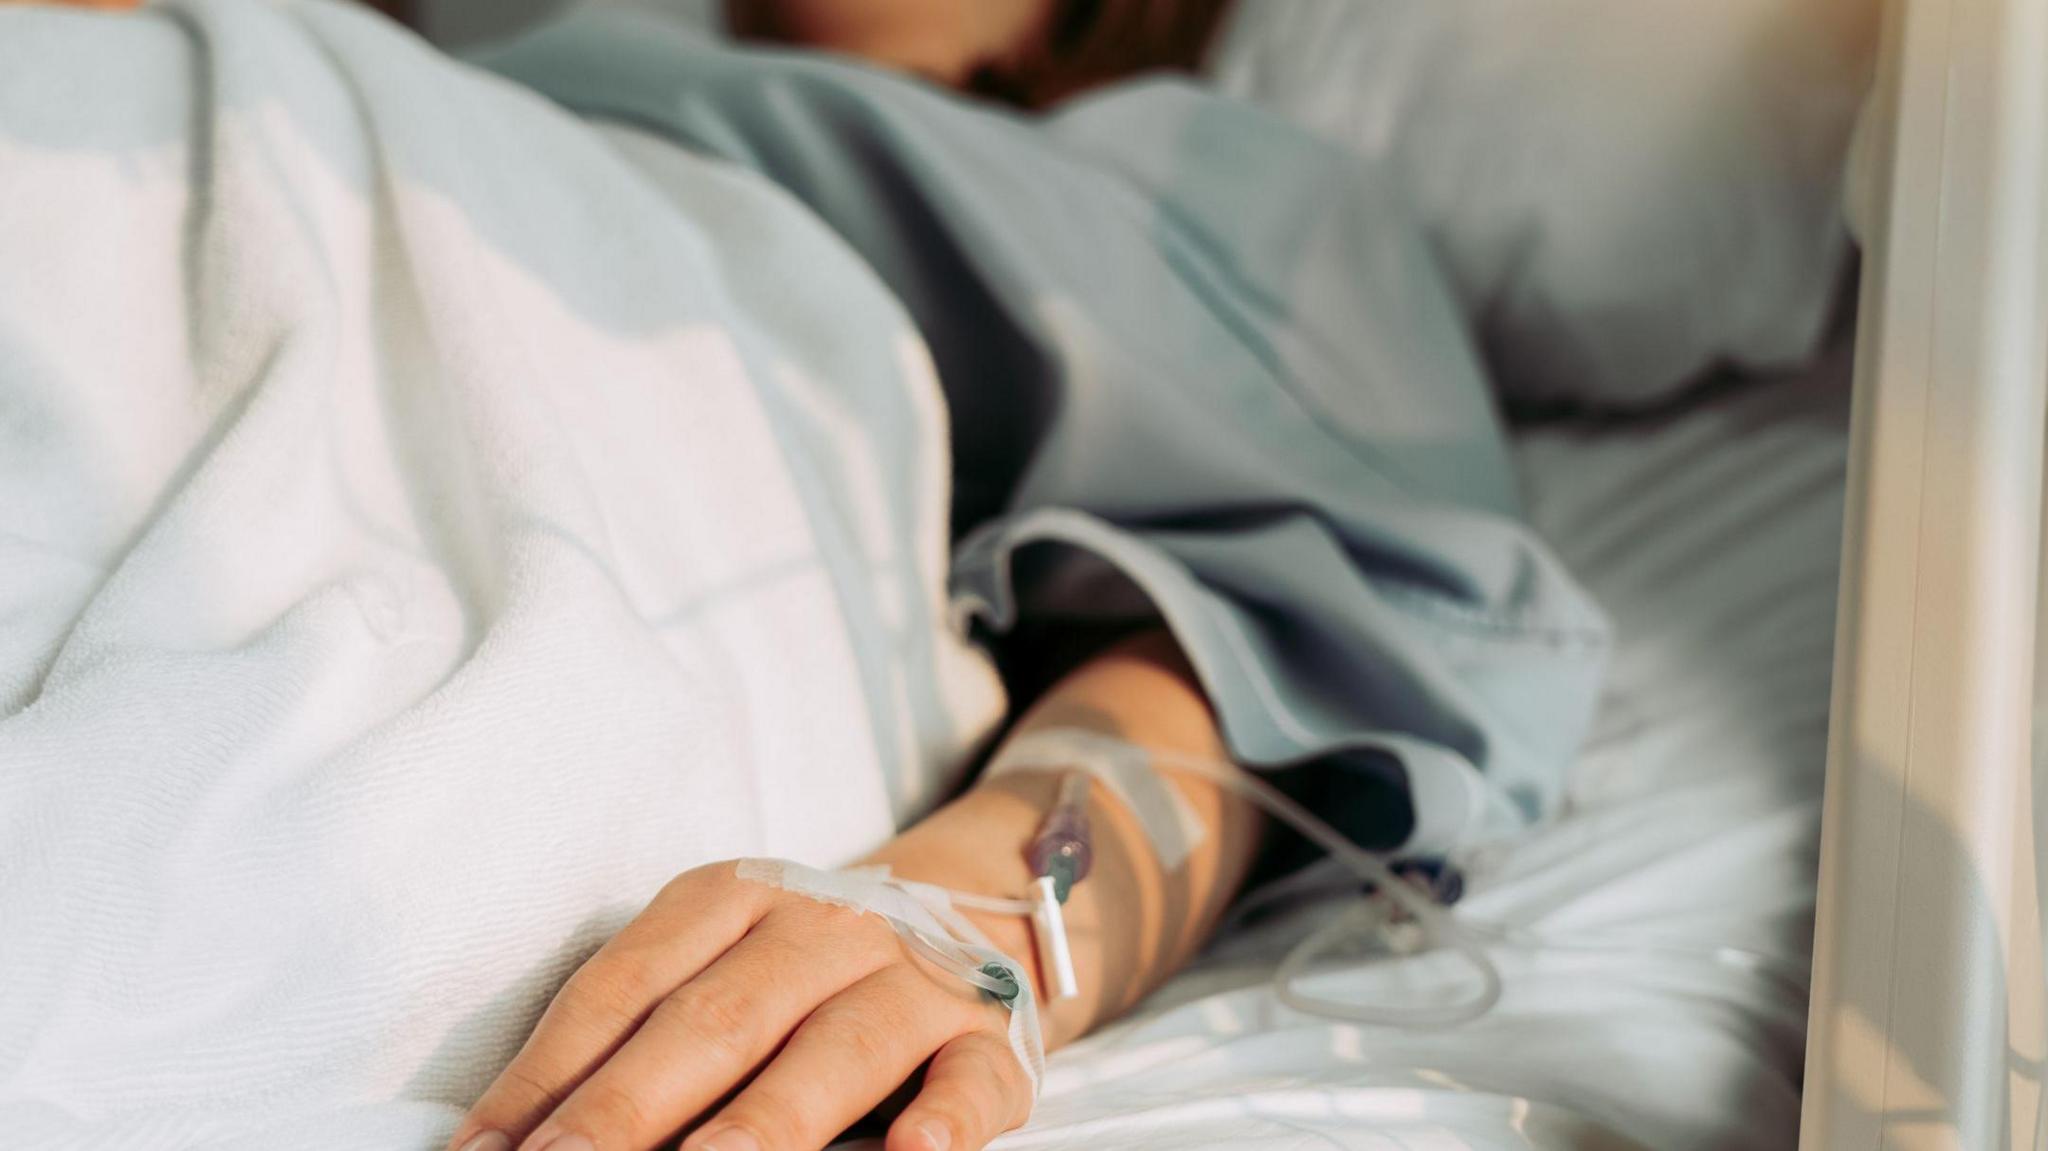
(1927, 1022)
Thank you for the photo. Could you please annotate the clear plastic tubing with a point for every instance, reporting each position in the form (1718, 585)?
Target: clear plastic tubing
(1063, 841)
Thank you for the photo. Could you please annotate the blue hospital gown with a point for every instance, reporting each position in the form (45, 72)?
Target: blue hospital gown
(1199, 366)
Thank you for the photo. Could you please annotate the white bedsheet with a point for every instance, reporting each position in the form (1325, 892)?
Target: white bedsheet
(1693, 821)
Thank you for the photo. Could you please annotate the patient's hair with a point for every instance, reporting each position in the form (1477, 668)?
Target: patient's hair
(1031, 53)
(1090, 42)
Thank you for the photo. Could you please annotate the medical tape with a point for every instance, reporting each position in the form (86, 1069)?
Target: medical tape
(927, 919)
(1173, 828)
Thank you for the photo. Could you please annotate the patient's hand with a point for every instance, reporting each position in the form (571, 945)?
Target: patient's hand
(814, 1014)
(720, 976)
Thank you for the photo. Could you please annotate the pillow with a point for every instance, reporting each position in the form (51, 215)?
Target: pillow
(1624, 192)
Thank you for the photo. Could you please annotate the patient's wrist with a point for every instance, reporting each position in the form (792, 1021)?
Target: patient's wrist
(1134, 920)
(976, 844)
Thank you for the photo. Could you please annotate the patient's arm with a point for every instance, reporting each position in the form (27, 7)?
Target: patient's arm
(1132, 922)
(816, 1015)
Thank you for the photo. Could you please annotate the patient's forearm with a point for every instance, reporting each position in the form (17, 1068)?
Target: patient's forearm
(1132, 923)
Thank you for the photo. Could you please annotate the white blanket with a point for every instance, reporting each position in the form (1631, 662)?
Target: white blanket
(418, 541)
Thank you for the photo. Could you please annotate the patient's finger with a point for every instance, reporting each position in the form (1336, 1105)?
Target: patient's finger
(974, 1091)
(714, 1030)
(694, 920)
(852, 1052)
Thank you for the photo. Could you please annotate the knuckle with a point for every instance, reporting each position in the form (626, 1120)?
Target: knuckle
(877, 1024)
(979, 1111)
(720, 1023)
(866, 1037)
(975, 1089)
(720, 878)
(534, 1095)
(965, 1111)
(681, 889)
(776, 1127)
(1008, 1091)
(710, 880)
(803, 911)
(602, 1107)
(897, 995)
(618, 987)
(866, 942)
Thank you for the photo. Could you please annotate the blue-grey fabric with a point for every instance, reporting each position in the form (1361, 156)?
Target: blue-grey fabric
(1198, 364)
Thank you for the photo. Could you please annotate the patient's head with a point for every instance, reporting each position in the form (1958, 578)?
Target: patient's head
(1028, 52)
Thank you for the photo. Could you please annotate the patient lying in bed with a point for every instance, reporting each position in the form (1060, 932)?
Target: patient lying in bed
(464, 414)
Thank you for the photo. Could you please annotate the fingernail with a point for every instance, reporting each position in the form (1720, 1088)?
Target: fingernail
(569, 1142)
(936, 1137)
(488, 1141)
(731, 1139)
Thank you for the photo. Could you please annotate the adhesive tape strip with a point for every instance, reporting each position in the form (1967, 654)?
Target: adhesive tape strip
(924, 909)
(1164, 816)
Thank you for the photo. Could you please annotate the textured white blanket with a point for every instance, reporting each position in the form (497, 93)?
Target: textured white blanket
(418, 540)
